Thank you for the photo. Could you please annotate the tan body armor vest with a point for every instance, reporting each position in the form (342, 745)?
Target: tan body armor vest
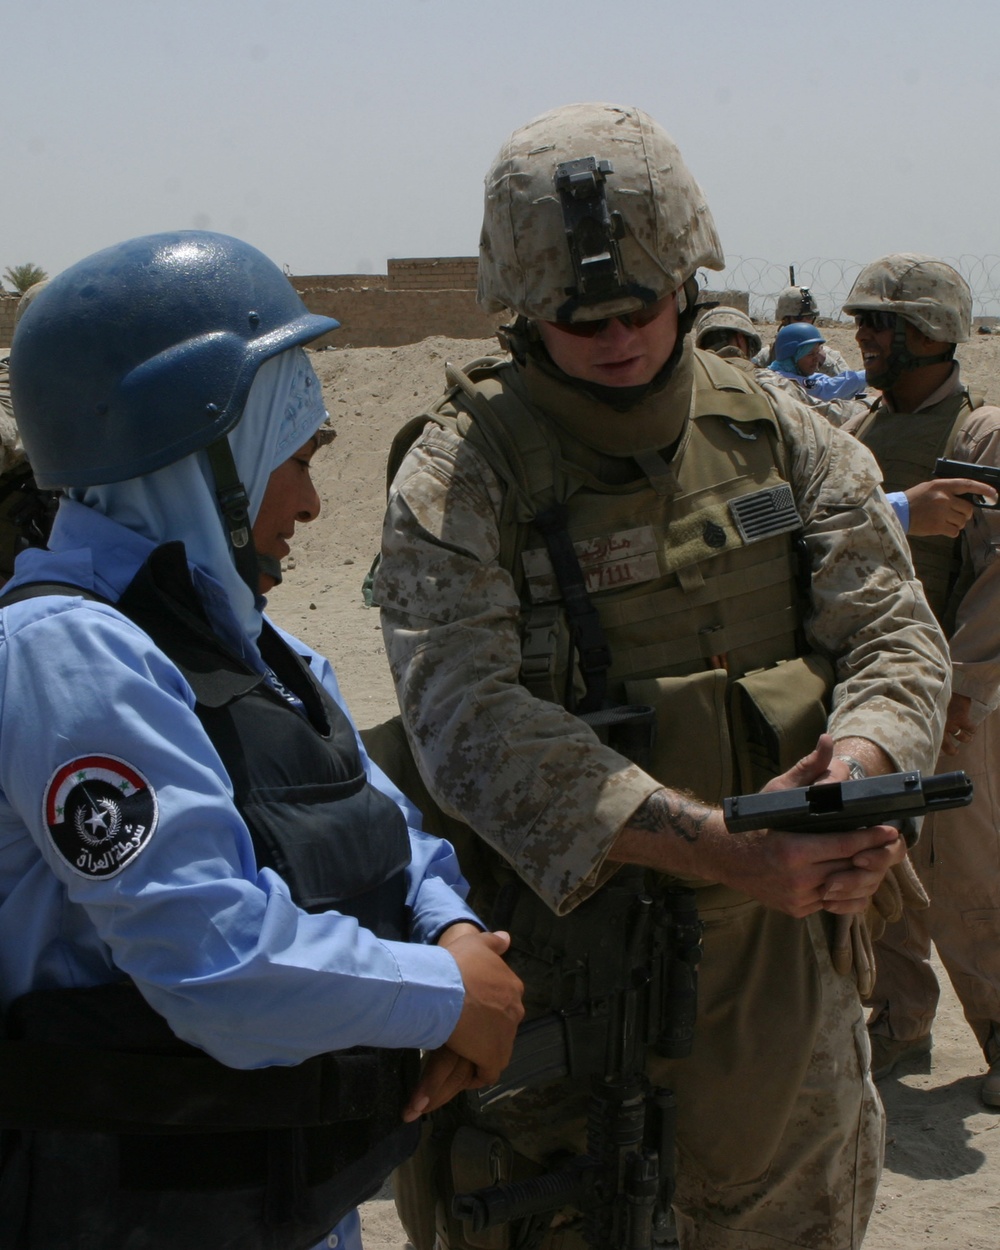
(692, 567)
(906, 445)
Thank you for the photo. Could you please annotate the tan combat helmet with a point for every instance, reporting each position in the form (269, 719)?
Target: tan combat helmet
(591, 212)
(928, 293)
(797, 303)
(725, 318)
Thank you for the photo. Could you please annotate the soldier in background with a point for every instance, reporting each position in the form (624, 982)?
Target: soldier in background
(728, 332)
(731, 334)
(796, 303)
(26, 512)
(606, 476)
(911, 311)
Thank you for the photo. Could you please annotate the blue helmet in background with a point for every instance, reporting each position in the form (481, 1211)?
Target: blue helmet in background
(795, 340)
(145, 352)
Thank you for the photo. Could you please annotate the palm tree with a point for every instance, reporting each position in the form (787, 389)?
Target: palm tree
(21, 277)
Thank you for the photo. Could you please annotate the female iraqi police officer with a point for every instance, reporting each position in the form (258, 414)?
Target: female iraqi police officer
(220, 944)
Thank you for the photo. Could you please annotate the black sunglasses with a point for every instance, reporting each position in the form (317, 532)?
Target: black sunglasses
(875, 320)
(590, 329)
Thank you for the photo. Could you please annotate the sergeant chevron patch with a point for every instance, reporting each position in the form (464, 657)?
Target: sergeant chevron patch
(765, 513)
(100, 813)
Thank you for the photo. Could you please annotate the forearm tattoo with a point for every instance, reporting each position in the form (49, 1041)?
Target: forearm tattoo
(666, 810)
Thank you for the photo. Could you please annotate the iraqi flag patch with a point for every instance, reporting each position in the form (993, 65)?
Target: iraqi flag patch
(100, 813)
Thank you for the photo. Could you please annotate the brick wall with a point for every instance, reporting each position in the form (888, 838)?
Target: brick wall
(433, 273)
(384, 318)
(341, 282)
(417, 298)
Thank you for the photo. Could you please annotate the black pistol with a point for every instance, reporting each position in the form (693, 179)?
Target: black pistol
(842, 806)
(976, 472)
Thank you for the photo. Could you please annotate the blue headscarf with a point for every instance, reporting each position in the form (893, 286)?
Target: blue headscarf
(284, 409)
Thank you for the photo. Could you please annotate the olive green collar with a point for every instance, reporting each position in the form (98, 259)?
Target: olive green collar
(655, 422)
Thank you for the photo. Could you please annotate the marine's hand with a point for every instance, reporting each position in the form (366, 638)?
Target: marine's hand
(492, 1009)
(818, 765)
(804, 873)
(830, 872)
(444, 1075)
(794, 873)
(937, 506)
(958, 726)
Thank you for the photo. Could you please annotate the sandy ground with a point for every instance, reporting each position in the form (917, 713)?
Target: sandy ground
(940, 1186)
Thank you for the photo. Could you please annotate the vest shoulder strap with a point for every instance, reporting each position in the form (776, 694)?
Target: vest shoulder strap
(480, 406)
(723, 390)
(974, 400)
(38, 590)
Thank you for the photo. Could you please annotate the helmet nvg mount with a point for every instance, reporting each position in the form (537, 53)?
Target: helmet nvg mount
(157, 341)
(590, 212)
(796, 303)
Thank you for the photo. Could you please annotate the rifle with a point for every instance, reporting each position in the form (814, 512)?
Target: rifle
(843, 806)
(977, 472)
(641, 994)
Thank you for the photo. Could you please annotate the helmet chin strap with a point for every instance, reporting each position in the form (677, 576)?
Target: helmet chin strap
(901, 360)
(235, 508)
(270, 566)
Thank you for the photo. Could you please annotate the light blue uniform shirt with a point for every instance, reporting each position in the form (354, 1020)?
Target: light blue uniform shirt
(822, 386)
(901, 506)
(215, 945)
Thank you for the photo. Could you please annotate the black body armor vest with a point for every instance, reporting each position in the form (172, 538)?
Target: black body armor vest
(314, 1139)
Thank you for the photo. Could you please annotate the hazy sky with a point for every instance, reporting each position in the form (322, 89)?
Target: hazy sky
(333, 135)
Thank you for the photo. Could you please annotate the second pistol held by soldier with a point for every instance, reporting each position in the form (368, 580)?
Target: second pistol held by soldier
(621, 579)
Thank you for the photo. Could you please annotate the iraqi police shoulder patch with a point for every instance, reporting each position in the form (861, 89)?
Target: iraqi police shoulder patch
(100, 813)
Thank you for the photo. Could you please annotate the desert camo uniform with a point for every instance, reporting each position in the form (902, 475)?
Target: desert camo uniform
(780, 1135)
(11, 451)
(958, 855)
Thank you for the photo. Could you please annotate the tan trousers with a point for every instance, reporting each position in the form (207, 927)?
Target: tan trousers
(780, 1129)
(958, 860)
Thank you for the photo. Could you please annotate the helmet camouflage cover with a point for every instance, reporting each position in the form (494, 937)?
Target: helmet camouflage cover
(590, 212)
(928, 293)
(795, 301)
(726, 318)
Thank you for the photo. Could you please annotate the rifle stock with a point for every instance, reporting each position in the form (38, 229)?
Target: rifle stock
(625, 1181)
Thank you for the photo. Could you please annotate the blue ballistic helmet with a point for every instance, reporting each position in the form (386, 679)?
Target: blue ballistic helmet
(795, 340)
(145, 352)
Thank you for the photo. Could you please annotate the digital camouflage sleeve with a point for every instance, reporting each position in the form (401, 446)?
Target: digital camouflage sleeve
(532, 779)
